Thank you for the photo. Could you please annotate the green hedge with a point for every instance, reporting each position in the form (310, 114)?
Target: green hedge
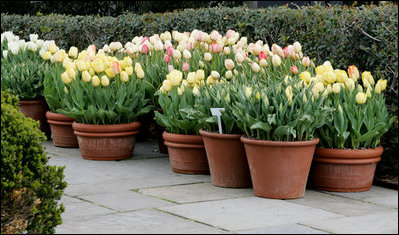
(30, 188)
(365, 36)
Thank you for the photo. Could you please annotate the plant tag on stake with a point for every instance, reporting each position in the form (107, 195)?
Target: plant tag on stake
(216, 112)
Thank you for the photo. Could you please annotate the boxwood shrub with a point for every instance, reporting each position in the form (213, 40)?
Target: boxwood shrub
(29, 187)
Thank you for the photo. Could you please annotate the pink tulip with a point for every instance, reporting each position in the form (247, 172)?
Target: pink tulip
(294, 69)
(185, 67)
(145, 39)
(144, 49)
(288, 52)
(229, 33)
(169, 51)
(215, 48)
(166, 58)
(262, 55)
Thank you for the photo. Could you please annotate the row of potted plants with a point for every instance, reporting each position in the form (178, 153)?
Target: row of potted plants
(277, 105)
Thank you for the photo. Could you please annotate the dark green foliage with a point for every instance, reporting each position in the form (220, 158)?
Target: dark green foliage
(29, 187)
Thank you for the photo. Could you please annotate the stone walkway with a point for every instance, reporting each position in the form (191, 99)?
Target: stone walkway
(143, 195)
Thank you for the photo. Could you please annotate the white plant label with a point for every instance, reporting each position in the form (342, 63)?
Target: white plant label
(216, 112)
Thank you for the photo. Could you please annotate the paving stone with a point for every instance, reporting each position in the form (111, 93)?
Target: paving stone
(377, 195)
(284, 229)
(144, 222)
(82, 211)
(66, 200)
(338, 204)
(248, 213)
(125, 201)
(196, 192)
(381, 223)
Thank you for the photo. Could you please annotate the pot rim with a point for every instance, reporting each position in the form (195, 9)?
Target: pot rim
(58, 117)
(108, 128)
(218, 135)
(182, 138)
(331, 153)
(26, 102)
(246, 140)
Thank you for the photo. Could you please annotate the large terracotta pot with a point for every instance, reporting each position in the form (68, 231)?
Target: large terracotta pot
(279, 169)
(106, 142)
(186, 153)
(227, 160)
(61, 130)
(36, 109)
(344, 170)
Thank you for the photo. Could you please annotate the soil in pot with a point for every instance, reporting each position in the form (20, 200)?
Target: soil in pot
(186, 153)
(344, 170)
(61, 130)
(279, 169)
(227, 160)
(106, 142)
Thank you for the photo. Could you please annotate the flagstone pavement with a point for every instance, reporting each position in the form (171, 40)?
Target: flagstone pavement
(143, 195)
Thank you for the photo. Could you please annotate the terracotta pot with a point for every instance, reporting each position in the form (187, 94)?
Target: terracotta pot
(61, 130)
(36, 109)
(279, 169)
(186, 153)
(227, 160)
(159, 131)
(106, 142)
(344, 170)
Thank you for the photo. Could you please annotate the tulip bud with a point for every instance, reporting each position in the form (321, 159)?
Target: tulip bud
(124, 76)
(144, 49)
(73, 52)
(361, 98)
(229, 64)
(200, 74)
(294, 69)
(336, 88)
(255, 67)
(306, 61)
(185, 67)
(104, 80)
(86, 77)
(208, 57)
(248, 91)
(65, 78)
(297, 47)
(228, 74)
(186, 54)
(239, 58)
(226, 50)
(276, 60)
(176, 54)
(215, 74)
(196, 91)
(353, 72)
(263, 63)
(191, 77)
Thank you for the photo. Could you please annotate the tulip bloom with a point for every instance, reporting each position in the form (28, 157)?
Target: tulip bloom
(229, 64)
(144, 49)
(166, 58)
(276, 60)
(294, 69)
(361, 98)
(262, 55)
(185, 67)
(353, 72)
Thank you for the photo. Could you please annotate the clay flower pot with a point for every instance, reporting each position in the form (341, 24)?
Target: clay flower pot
(186, 153)
(36, 109)
(279, 169)
(344, 170)
(227, 160)
(106, 142)
(61, 130)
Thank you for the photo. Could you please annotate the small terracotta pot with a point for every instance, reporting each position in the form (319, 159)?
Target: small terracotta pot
(344, 170)
(36, 109)
(106, 142)
(61, 130)
(227, 160)
(186, 153)
(159, 131)
(279, 169)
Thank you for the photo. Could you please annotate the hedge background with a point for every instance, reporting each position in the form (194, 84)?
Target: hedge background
(366, 36)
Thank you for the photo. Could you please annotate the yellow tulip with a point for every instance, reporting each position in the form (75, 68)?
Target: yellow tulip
(366, 75)
(329, 77)
(341, 75)
(167, 86)
(104, 80)
(71, 73)
(191, 77)
(248, 91)
(196, 91)
(361, 98)
(124, 76)
(46, 55)
(81, 65)
(65, 78)
(128, 61)
(336, 88)
(86, 77)
(91, 71)
(53, 48)
(73, 52)
(368, 92)
(200, 74)
(109, 73)
(98, 65)
(377, 88)
(95, 81)
(129, 70)
(140, 73)
(350, 84)
(306, 77)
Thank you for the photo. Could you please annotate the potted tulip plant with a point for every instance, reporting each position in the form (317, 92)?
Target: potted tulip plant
(105, 100)
(279, 122)
(185, 146)
(350, 146)
(226, 154)
(23, 71)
